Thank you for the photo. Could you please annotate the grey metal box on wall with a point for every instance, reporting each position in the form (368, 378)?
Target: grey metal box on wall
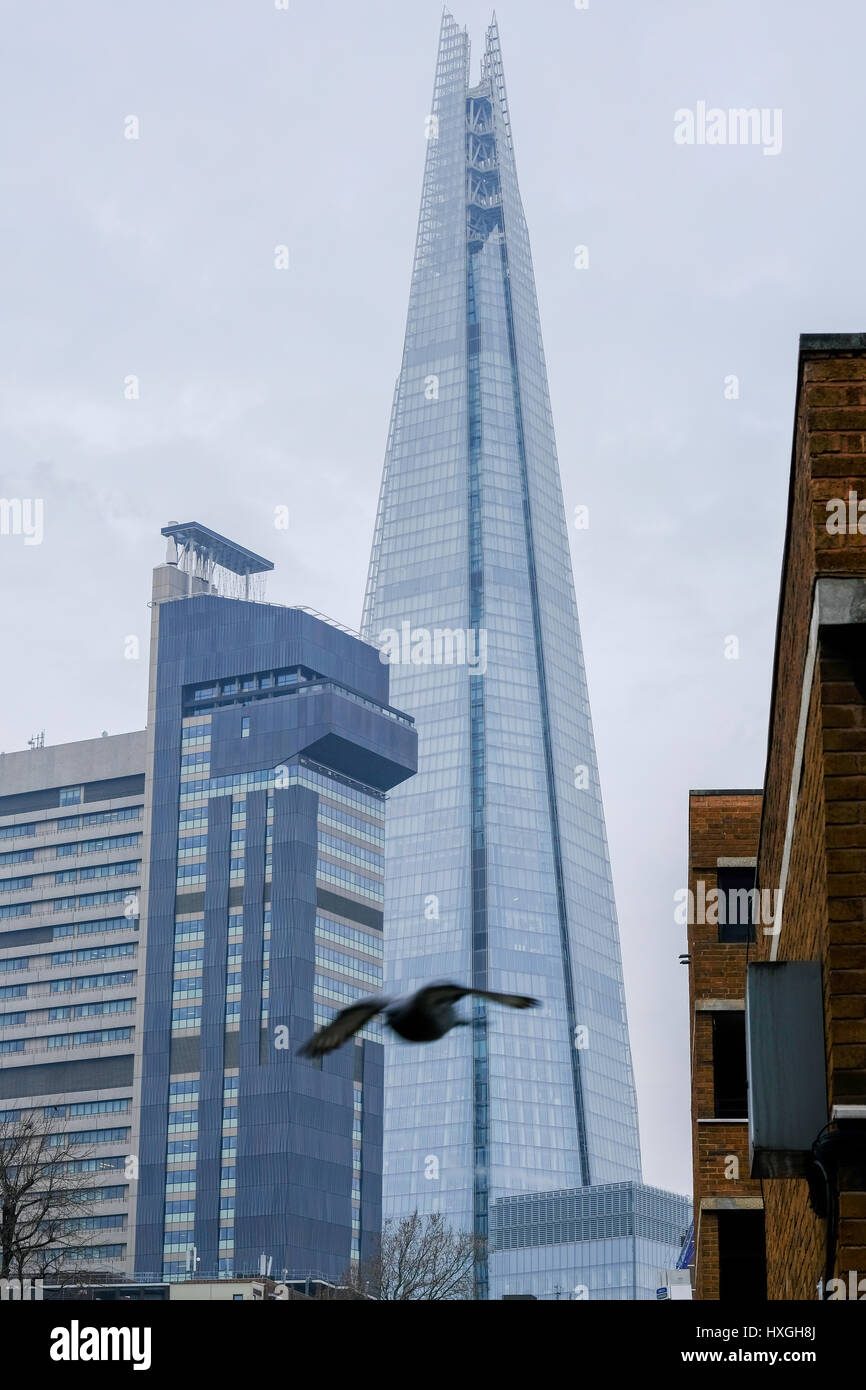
(786, 1065)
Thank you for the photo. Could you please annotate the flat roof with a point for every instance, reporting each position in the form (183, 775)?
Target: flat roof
(832, 342)
(225, 553)
(727, 791)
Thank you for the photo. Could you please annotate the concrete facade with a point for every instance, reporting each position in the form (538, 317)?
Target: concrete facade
(70, 981)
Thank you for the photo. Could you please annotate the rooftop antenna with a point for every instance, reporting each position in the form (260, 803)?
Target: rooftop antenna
(37, 740)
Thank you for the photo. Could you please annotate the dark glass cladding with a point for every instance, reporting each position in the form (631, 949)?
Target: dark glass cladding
(283, 1127)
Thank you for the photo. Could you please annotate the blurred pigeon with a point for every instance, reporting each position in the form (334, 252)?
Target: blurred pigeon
(421, 1017)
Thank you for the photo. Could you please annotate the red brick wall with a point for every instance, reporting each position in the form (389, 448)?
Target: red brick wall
(825, 897)
(721, 825)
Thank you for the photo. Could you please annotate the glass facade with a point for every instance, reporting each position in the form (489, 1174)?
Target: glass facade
(614, 1241)
(264, 918)
(497, 868)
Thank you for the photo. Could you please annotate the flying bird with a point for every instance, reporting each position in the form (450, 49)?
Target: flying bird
(421, 1017)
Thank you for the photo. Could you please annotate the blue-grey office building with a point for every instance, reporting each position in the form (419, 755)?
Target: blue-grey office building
(497, 865)
(271, 747)
(611, 1241)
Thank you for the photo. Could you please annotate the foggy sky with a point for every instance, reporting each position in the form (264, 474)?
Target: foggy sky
(154, 258)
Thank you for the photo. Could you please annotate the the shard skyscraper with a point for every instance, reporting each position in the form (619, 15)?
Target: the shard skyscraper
(497, 864)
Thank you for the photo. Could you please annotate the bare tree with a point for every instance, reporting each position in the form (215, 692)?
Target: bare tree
(43, 1196)
(418, 1259)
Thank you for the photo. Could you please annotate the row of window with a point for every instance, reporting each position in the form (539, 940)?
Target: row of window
(349, 965)
(356, 854)
(352, 880)
(364, 829)
(100, 846)
(87, 1136)
(62, 1012)
(50, 827)
(128, 866)
(180, 1091)
(85, 953)
(85, 1252)
(303, 772)
(17, 856)
(117, 1221)
(80, 982)
(100, 1035)
(366, 941)
(237, 685)
(65, 1112)
(189, 1015)
(88, 1107)
(94, 1165)
(71, 904)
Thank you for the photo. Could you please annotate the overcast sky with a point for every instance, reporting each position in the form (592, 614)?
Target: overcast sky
(153, 258)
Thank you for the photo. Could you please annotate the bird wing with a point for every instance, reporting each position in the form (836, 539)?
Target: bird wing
(449, 994)
(431, 995)
(347, 1022)
(514, 1001)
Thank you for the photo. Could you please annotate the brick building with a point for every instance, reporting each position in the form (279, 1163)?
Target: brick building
(728, 1207)
(805, 994)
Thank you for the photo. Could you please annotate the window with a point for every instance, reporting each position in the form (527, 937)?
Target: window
(18, 856)
(245, 727)
(729, 1065)
(71, 796)
(742, 1256)
(737, 898)
(9, 832)
(183, 1090)
(14, 885)
(98, 1107)
(16, 910)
